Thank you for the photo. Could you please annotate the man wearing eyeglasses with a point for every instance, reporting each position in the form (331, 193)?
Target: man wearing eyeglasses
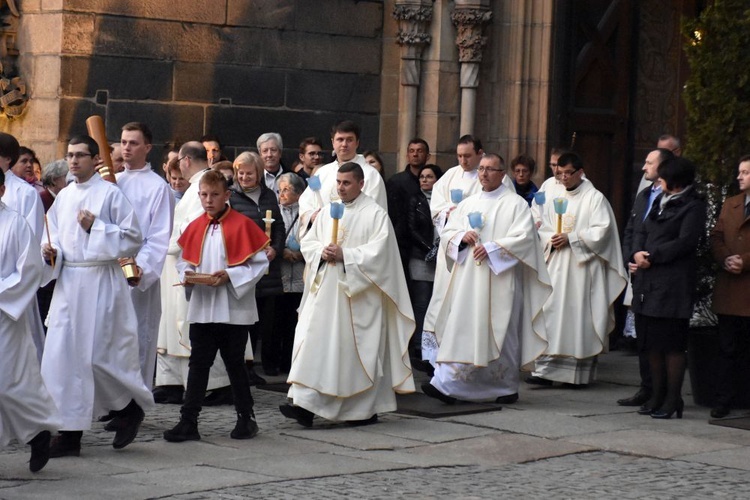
(90, 363)
(584, 261)
(491, 320)
(310, 156)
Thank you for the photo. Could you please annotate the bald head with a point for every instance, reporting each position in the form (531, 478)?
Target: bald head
(193, 159)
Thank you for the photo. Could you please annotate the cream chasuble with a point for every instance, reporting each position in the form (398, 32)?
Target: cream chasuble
(491, 321)
(350, 345)
(587, 277)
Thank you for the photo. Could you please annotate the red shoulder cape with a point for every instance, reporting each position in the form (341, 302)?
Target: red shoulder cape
(242, 238)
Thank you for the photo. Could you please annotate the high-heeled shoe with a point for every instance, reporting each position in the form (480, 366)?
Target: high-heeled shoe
(665, 414)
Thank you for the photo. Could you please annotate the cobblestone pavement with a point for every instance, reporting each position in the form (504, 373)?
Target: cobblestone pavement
(570, 444)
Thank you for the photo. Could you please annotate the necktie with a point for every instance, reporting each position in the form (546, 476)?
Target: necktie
(747, 210)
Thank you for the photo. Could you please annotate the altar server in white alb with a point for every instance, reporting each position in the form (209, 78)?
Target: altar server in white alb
(24, 199)
(153, 203)
(351, 343)
(27, 412)
(491, 321)
(90, 363)
(345, 141)
(584, 261)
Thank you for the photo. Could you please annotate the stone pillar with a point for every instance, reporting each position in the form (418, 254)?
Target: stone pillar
(469, 18)
(413, 17)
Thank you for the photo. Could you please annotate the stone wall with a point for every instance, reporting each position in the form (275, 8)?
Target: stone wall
(235, 68)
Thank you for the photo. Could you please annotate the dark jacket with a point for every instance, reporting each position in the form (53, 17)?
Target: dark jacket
(731, 236)
(420, 229)
(671, 236)
(635, 222)
(399, 189)
(527, 192)
(270, 284)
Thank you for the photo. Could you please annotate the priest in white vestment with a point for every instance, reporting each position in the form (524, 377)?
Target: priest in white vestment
(350, 354)
(345, 140)
(25, 200)
(27, 412)
(464, 178)
(491, 322)
(173, 346)
(585, 264)
(153, 202)
(90, 363)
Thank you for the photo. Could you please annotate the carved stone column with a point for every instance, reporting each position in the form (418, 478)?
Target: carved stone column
(413, 18)
(469, 18)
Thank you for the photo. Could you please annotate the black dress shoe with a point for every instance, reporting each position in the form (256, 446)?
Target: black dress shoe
(433, 392)
(538, 381)
(638, 399)
(185, 430)
(508, 399)
(367, 421)
(113, 424)
(302, 416)
(131, 418)
(66, 444)
(246, 426)
(720, 412)
(219, 397)
(39, 451)
(109, 416)
(568, 385)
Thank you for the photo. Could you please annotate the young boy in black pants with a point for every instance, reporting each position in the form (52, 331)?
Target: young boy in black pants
(221, 261)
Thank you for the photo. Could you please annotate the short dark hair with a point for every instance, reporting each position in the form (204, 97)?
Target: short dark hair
(470, 139)
(677, 172)
(354, 168)
(435, 170)
(498, 157)
(214, 178)
(346, 127)
(223, 165)
(88, 141)
(171, 147)
(23, 150)
(664, 154)
(558, 151)
(140, 127)
(569, 158)
(309, 141)
(744, 158)
(419, 140)
(525, 160)
(212, 138)
(9, 147)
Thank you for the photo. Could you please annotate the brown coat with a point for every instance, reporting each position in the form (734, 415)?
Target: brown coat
(731, 236)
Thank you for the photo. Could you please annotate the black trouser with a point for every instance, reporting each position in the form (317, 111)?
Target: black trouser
(205, 340)
(265, 330)
(286, 322)
(734, 346)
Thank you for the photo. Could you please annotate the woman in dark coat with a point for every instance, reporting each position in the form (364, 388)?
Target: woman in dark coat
(664, 282)
(422, 234)
(252, 198)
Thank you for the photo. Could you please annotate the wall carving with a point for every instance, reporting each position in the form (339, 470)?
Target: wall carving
(469, 24)
(412, 36)
(13, 91)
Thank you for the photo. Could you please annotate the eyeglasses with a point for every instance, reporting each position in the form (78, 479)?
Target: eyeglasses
(488, 169)
(182, 158)
(568, 174)
(77, 155)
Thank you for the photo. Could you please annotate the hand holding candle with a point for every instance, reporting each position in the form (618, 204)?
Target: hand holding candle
(476, 222)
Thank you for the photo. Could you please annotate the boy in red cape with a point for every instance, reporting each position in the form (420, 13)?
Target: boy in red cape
(225, 247)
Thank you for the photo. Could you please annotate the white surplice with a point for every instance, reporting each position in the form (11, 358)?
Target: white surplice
(233, 304)
(24, 199)
(587, 277)
(90, 363)
(154, 206)
(491, 322)
(26, 407)
(350, 346)
(173, 344)
(311, 201)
